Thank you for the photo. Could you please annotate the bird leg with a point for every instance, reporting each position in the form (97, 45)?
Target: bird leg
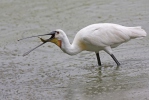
(98, 59)
(118, 64)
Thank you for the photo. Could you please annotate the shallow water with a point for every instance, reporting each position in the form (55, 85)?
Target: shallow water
(49, 74)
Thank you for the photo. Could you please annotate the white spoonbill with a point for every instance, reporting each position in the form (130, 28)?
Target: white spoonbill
(95, 37)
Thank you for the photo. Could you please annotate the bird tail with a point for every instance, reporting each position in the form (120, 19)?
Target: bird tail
(137, 32)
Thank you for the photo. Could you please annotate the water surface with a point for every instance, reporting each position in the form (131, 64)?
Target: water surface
(49, 74)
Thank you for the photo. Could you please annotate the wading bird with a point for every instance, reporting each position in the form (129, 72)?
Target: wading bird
(95, 37)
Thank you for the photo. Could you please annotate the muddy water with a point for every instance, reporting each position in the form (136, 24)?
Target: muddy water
(49, 74)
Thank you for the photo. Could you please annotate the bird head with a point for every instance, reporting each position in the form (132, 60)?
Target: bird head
(56, 37)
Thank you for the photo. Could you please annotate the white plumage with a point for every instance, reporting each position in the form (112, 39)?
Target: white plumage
(98, 37)
(95, 37)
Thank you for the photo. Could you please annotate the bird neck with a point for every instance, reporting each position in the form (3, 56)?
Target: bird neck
(68, 48)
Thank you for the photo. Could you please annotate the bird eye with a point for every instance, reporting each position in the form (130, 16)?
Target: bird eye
(57, 32)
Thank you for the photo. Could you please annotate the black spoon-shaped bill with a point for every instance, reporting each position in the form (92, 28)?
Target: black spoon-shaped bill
(51, 33)
(44, 41)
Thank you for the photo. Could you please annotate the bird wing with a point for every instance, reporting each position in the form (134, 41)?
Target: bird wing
(106, 35)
